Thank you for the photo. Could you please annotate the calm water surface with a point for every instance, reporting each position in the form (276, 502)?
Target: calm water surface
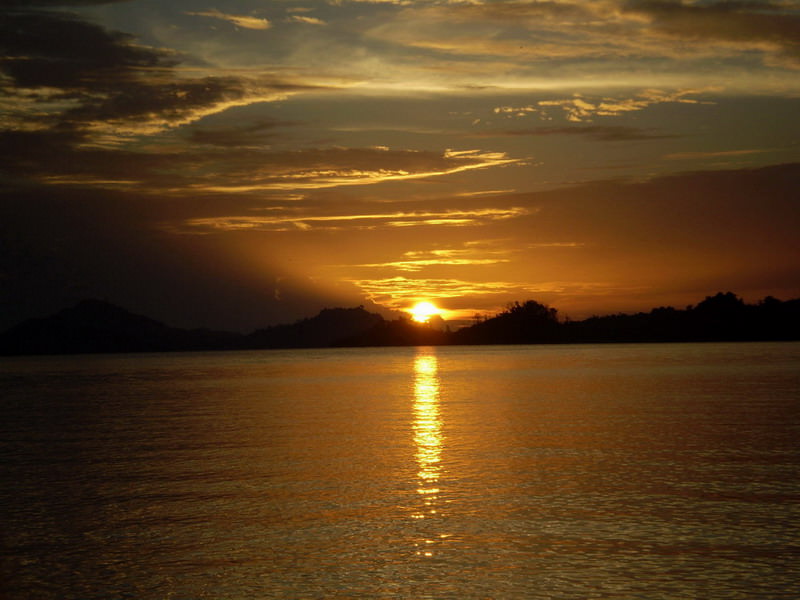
(608, 471)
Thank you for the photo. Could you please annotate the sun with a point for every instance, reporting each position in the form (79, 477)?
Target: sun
(421, 312)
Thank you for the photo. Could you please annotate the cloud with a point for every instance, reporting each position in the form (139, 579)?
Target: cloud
(510, 30)
(477, 262)
(61, 52)
(544, 45)
(77, 97)
(582, 108)
(398, 292)
(62, 73)
(333, 167)
(306, 20)
(244, 21)
(305, 222)
(767, 26)
(223, 160)
(473, 254)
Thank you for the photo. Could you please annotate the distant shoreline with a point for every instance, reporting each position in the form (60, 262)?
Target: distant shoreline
(98, 327)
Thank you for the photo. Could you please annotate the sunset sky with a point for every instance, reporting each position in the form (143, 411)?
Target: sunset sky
(234, 164)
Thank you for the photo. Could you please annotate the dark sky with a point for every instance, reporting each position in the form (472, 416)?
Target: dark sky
(242, 163)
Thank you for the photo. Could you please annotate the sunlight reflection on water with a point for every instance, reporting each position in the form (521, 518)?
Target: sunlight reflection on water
(427, 437)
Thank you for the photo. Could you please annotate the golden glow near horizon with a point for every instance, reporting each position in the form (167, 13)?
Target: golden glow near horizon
(422, 312)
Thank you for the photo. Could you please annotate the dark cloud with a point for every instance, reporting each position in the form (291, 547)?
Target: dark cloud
(55, 156)
(171, 101)
(69, 74)
(97, 75)
(79, 90)
(48, 49)
(242, 136)
(224, 164)
(755, 22)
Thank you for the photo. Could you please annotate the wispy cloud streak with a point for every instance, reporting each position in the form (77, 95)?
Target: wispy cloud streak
(369, 220)
(244, 21)
(581, 108)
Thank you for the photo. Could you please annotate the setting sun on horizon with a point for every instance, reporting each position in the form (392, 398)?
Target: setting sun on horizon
(422, 312)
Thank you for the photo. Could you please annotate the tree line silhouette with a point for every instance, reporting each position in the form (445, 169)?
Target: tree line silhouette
(723, 317)
(97, 326)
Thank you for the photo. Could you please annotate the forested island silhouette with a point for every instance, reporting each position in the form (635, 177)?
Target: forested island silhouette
(97, 326)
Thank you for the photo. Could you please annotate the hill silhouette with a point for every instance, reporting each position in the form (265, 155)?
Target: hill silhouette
(325, 329)
(723, 317)
(96, 326)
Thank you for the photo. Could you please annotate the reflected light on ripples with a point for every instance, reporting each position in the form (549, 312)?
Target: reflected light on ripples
(427, 430)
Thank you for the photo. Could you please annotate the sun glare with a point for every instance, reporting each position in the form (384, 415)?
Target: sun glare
(423, 311)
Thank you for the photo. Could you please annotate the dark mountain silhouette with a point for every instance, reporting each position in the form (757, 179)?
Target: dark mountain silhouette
(97, 326)
(325, 329)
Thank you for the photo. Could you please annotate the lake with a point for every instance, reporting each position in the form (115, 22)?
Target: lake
(544, 472)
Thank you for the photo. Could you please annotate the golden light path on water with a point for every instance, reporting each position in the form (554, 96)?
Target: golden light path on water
(428, 437)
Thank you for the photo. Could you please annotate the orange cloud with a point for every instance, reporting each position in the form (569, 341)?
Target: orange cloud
(306, 20)
(396, 292)
(582, 108)
(362, 221)
(334, 167)
(239, 20)
(472, 254)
